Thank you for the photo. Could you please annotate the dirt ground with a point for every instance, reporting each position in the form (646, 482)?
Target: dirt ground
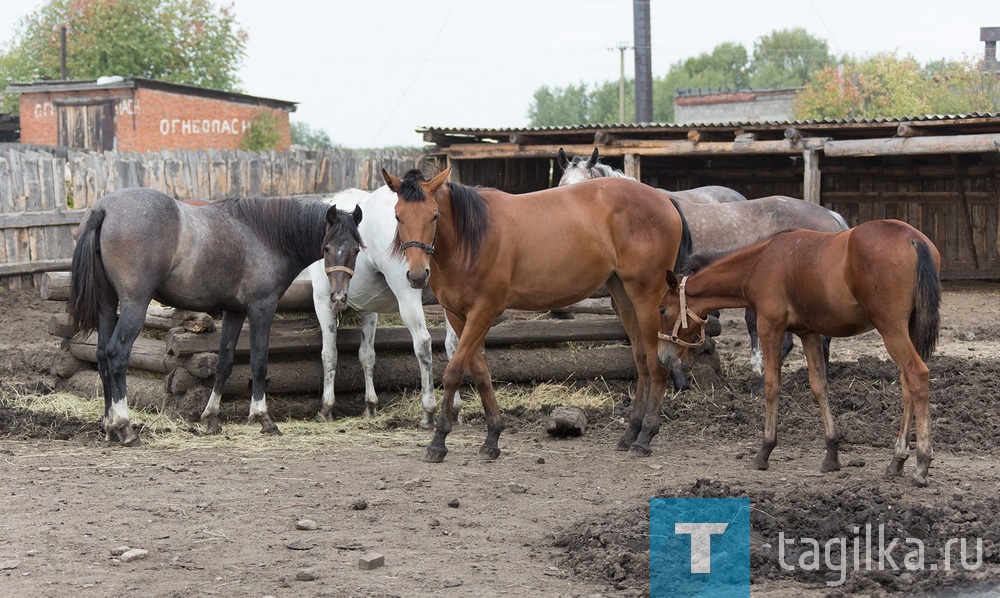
(551, 517)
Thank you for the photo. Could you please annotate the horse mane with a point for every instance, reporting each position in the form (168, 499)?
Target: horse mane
(602, 170)
(286, 225)
(703, 259)
(686, 244)
(470, 214)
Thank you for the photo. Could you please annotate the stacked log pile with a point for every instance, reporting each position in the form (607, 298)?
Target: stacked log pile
(181, 347)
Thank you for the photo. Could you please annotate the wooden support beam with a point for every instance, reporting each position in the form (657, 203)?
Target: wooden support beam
(646, 147)
(903, 146)
(811, 187)
(908, 130)
(604, 138)
(633, 166)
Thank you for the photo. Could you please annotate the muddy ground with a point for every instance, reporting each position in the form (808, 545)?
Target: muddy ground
(551, 517)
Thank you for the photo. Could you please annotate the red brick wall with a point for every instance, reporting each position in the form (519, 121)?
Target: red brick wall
(175, 121)
(153, 120)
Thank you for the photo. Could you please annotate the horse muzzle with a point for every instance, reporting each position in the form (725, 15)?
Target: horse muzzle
(338, 301)
(418, 281)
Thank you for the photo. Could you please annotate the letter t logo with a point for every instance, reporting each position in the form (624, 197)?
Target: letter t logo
(701, 543)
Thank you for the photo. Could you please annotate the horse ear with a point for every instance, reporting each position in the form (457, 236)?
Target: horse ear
(594, 157)
(357, 215)
(391, 181)
(562, 159)
(672, 280)
(331, 215)
(439, 180)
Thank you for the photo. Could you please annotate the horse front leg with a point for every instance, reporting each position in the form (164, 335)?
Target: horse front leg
(812, 346)
(261, 318)
(411, 311)
(366, 355)
(626, 315)
(328, 330)
(770, 342)
(656, 375)
(481, 377)
(471, 332)
(232, 324)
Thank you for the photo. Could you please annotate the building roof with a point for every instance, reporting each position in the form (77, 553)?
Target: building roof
(137, 82)
(851, 128)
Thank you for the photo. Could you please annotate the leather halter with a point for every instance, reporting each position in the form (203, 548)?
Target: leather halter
(332, 269)
(427, 248)
(682, 321)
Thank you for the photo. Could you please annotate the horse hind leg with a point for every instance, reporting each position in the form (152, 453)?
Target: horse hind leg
(117, 350)
(626, 314)
(812, 346)
(915, 382)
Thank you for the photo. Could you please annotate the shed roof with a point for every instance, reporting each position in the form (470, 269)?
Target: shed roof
(850, 128)
(137, 82)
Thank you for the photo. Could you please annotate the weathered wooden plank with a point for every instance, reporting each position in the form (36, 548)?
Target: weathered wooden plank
(52, 218)
(147, 354)
(903, 146)
(24, 266)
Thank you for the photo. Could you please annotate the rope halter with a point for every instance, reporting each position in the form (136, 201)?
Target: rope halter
(332, 269)
(682, 321)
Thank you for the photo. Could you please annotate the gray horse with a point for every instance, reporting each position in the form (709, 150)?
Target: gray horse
(721, 219)
(237, 256)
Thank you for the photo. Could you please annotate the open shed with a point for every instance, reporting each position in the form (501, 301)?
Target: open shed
(940, 174)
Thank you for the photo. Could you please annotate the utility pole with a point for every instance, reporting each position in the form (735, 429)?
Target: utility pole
(62, 53)
(643, 62)
(621, 47)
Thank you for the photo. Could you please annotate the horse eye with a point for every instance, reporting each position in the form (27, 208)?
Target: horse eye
(436, 216)
(663, 311)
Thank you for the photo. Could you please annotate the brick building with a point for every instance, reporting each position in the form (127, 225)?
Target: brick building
(138, 114)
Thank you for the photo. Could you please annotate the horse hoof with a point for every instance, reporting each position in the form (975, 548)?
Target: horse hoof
(828, 466)
(639, 451)
(427, 423)
(133, 442)
(322, 417)
(271, 430)
(624, 444)
(434, 455)
(759, 464)
(919, 481)
(488, 453)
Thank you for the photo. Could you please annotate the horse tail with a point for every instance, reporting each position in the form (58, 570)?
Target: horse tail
(83, 276)
(925, 321)
(686, 246)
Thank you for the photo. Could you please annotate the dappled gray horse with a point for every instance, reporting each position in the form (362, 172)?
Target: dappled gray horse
(721, 219)
(237, 256)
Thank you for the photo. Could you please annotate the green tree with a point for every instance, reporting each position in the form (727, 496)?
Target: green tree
(263, 133)
(962, 87)
(880, 86)
(787, 58)
(559, 106)
(181, 41)
(724, 67)
(310, 138)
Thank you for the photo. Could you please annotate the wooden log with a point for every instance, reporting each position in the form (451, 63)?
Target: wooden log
(302, 336)
(157, 318)
(147, 354)
(55, 286)
(60, 325)
(400, 370)
(908, 146)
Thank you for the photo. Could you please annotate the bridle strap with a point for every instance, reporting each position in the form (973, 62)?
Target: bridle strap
(332, 269)
(682, 320)
(427, 248)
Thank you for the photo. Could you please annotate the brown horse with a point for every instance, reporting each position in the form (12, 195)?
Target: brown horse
(882, 274)
(483, 251)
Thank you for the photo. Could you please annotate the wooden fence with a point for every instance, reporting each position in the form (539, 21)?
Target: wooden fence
(44, 192)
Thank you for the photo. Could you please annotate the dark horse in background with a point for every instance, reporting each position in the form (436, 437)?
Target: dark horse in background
(880, 275)
(235, 256)
(482, 251)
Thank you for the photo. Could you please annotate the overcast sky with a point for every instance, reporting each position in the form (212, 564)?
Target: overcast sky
(370, 72)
